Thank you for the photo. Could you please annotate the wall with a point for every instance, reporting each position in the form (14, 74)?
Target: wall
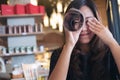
(102, 6)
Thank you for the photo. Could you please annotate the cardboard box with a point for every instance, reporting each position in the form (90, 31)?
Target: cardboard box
(7, 9)
(19, 9)
(31, 9)
(42, 9)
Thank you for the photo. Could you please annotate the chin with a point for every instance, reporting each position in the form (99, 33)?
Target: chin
(84, 41)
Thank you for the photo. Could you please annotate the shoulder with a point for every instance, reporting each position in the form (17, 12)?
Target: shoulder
(54, 57)
(56, 53)
(111, 65)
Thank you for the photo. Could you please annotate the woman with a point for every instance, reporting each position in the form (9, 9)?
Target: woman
(85, 54)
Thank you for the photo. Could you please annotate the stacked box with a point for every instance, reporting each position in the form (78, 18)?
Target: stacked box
(41, 9)
(31, 9)
(19, 9)
(7, 9)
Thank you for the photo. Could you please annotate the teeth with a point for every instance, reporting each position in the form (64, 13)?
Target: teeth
(84, 33)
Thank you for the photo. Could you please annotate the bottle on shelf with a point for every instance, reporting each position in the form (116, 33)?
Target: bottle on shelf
(29, 49)
(29, 28)
(17, 50)
(10, 29)
(24, 29)
(3, 50)
(15, 29)
(10, 50)
(19, 29)
(36, 27)
(41, 27)
(22, 49)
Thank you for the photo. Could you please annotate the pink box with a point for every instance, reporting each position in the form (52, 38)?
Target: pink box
(31, 9)
(7, 9)
(42, 9)
(19, 9)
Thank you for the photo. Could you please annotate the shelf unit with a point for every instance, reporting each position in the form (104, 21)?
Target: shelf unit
(22, 39)
(20, 54)
(22, 34)
(21, 15)
(19, 79)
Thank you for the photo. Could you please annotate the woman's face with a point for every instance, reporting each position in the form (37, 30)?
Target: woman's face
(86, 35)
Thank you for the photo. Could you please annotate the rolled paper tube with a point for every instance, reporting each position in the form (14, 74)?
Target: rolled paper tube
(73, 20)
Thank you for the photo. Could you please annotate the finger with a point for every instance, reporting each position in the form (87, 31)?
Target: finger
(93, 27)
(66, 29)
(95, 22)
(93, 30)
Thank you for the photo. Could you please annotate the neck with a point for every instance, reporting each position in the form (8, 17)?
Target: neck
(85, 48)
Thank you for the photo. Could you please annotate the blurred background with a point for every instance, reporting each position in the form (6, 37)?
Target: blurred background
(31, 29)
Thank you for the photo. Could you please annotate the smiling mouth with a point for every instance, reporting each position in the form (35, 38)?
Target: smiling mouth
(84, 34)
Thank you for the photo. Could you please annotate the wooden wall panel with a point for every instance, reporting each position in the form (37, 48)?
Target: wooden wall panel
(102, 6)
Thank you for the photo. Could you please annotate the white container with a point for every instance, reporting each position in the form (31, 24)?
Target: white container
(17, 50)
(41, 48)
(29, 49)
(22, 49)
(4, 51)
(2, 66)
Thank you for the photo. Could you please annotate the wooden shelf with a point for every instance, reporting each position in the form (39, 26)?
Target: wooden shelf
(23, 34)
(19, 79)
(32, 53)
(21, 15)
(21, 54)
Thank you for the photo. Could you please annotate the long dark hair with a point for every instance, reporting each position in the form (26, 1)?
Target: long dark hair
(97, 51)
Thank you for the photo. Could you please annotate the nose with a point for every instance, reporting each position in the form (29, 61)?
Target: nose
(85, 27)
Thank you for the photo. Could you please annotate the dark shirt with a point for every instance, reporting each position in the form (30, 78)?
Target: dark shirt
(109, 62)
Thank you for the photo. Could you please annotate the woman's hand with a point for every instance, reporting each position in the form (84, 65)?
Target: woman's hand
(101, 31)
(60, 70)
(71, 37)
